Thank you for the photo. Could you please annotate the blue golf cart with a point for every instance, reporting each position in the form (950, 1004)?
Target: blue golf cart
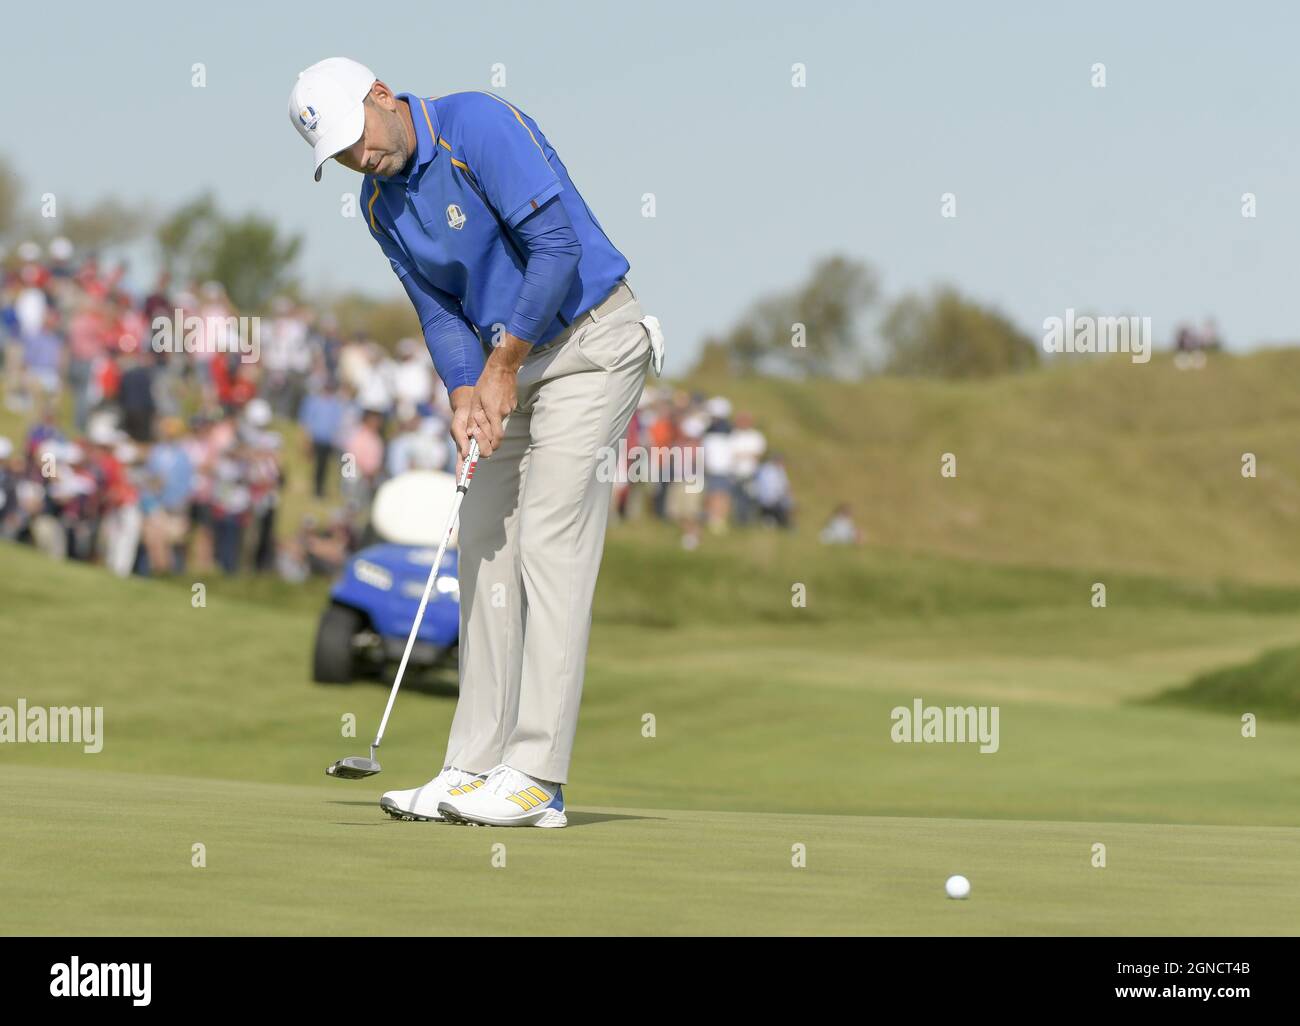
(374, 601)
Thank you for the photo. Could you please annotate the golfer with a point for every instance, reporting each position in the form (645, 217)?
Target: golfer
(544, 351)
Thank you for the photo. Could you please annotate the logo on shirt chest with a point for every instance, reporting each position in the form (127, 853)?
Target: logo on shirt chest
(455, 217)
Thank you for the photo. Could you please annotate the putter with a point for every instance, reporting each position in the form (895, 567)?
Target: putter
(354, 767)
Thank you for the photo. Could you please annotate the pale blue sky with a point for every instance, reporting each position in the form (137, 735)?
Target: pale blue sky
(1117, 200)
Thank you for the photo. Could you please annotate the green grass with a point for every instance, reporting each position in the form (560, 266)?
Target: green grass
(1267, 686)
(1095, 464)
(114, 853)
(771, 730)
(772, 720)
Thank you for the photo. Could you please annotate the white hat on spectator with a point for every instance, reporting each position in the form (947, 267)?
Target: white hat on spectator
(405, 411)
(325, 106)
(6, 448)
(61, 249)
(102, 430)
(719, 406)
(258, 412)
(29, 251)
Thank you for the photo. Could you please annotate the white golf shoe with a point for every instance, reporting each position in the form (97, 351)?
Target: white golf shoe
(421, 803)
(507, 798)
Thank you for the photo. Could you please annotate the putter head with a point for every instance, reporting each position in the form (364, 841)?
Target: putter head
(354, 767)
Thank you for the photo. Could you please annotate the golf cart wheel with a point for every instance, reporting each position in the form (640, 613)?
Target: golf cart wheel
(332, 663)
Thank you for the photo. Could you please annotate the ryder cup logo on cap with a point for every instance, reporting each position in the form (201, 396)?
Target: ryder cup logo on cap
(326, 106)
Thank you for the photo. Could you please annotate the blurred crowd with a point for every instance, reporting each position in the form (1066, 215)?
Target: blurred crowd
(156, 462)
(709, 469)
(163, 459)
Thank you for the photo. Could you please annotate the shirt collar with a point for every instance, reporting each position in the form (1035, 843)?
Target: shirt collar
(425, 122)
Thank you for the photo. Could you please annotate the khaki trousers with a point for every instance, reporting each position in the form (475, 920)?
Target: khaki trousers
(532, 531)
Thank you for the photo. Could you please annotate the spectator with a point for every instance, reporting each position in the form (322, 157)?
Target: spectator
(365, 446)
(129, 331)
(167, 502)
(118, 501)
(719, 464)
(322, 416)
(286, 358)
(231, 506)
(218, 322)
(663, 436)
(772, 492)
(233, 380)
(202, 448)
(11, 512)
(265, 479)
(46, 429)
(841, 529)
(124, 518)
(158, 304)
(87, 336)
(419, 444)
(685, 503)
(325, 548)
(747, 448)
(136, 394)
(43, 359)
(377, 381)
(60, 511)
(412, 375)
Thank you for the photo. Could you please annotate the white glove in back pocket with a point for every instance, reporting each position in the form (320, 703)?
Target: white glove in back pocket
(656, 333)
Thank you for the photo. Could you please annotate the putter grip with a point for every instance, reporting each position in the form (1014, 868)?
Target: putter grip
(467, 468)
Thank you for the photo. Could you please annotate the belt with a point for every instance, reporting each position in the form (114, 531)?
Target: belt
(618, 295)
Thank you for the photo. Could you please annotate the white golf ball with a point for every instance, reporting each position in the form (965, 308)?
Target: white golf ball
(957, 887)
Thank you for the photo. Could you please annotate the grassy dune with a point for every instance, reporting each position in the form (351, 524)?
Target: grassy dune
(1106, 464)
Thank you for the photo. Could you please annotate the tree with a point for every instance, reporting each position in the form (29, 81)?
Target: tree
(384, 320)
(811, 329)
(949, 336)
(247, 255)
(107, 222)
(182, 236)
(250, 258)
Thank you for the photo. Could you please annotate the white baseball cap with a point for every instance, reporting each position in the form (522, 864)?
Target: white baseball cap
(326, 105)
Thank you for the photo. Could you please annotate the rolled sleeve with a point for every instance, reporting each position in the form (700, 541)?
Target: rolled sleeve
(507, 159)
(454, 346)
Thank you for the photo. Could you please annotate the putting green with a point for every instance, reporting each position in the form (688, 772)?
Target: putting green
(95, 852)
(213, 735)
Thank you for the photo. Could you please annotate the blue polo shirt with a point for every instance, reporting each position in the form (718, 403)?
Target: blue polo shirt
(449, 223)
